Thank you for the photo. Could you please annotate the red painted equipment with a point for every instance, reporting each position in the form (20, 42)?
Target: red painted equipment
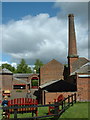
(51, 108)
(22, 102)
(6, 93)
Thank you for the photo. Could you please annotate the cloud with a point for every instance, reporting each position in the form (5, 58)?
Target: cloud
(6, 62)
(45, 37)
(80, 11)
(35, 37)
(3, 62)
(14, 65)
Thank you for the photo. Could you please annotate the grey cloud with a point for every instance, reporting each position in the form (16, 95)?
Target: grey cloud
(79, 9)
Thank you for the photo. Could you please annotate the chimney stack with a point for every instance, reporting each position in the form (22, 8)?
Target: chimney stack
(72, 47)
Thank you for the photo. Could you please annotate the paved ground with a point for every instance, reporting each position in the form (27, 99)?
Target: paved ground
(21, 94)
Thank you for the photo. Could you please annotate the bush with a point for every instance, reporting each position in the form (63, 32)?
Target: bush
(18, 90)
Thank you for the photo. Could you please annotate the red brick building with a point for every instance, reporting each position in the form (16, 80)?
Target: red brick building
(83, 82)
(77, 75)
(17, 84)
(6, 79)
(53, 70)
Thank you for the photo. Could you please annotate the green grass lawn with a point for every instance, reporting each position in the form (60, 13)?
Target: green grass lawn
(78, 110)
(41, 112)
(0, 113)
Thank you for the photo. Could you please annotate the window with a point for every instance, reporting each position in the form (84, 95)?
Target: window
(19, 86)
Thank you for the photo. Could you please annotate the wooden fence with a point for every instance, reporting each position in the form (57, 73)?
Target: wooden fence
(63, 105)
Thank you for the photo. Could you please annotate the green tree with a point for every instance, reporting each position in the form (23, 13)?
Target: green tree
(9, 67)
(23, 67)
(38, 64)
(0, 67)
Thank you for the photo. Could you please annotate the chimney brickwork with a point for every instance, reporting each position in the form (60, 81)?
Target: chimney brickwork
(72, 47)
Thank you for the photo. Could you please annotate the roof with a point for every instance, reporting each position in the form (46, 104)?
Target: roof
(19, 81)
(78, 63)
(5, 71)
(59, 86)
(84, 76)
(23, 75)
(83, 69)
(48, 83)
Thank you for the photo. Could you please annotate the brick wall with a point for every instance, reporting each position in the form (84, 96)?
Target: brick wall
(70, 61)
(83, 88)
(49, 97)
(51, 71)
(31, 76)
(7, 82)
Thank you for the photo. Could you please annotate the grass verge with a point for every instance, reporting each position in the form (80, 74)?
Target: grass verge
(78, 110)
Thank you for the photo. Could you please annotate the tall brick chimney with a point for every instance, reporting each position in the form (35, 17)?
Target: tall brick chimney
(72, 47)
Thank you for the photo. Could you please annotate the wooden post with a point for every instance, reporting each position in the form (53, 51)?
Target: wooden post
(75, 97)
(49, 109)
(15, 112)
(72, 99)
(56, 110)
(64, 103)
(68, 100)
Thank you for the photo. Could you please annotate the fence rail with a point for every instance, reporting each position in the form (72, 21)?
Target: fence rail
(67, 102)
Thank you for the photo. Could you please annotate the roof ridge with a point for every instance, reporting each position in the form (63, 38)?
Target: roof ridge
(48, 83)
(86, 64)
(5, 70)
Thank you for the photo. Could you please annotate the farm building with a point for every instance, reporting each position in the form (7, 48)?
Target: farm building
(54, 78)
(74, 78)
(17, 84)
